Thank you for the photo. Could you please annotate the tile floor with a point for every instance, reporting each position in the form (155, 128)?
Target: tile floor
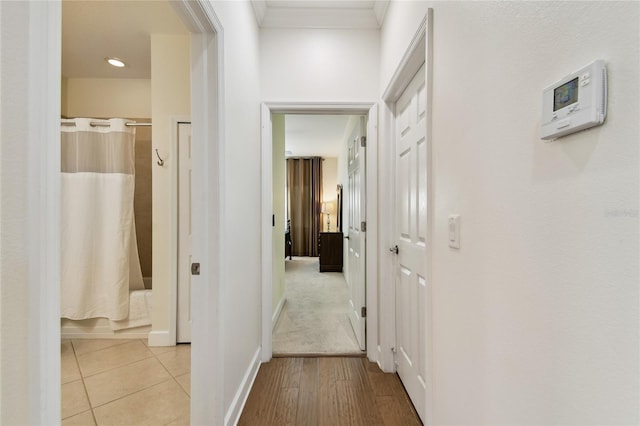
(124, 382)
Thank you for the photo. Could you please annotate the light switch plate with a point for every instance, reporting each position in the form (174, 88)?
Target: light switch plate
(454, 231)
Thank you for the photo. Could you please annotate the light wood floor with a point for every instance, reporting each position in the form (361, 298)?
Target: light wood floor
(327, 391)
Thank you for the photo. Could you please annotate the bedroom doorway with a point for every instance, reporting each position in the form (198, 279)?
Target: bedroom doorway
(305, 311)
(311, 162)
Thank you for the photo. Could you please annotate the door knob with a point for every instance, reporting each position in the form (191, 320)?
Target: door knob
(394, 249)
(346, 238)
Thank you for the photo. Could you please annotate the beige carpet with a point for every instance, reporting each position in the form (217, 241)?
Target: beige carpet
(314, 318)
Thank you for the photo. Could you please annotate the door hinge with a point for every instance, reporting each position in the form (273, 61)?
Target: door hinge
(195, 269)
(363, 141)
(363, 312)
(363, 226)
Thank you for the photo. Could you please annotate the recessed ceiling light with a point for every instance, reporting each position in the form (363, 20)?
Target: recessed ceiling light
(115, 62)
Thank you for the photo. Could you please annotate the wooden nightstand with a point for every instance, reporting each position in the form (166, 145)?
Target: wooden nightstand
(331, 250)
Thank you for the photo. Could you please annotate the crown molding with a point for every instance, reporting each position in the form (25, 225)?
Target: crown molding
(380, 9)
(260, 10)
(319, 17)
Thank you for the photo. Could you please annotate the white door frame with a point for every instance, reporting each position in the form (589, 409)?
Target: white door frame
(207, 118)
(356, 108)
(44, 95)
(43, 216)
(420, 51)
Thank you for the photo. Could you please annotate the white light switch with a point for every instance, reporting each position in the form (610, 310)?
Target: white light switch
(454, 231)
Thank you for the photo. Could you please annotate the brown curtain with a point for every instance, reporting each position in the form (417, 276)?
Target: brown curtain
(304, 180)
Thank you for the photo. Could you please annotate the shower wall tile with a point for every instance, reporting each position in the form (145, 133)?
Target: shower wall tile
(143, 195)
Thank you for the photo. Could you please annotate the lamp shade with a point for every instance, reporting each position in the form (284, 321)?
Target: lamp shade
(328, 207)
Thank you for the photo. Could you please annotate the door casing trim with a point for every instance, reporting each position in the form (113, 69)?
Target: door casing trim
(419, 51)
(371, 276)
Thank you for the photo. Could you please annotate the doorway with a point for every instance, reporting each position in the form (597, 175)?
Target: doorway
(206, 91)
(91, 87)
(268, 256)
(311, 289)
(408, 111)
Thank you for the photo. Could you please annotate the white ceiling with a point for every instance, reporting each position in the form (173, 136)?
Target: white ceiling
(315, 135)
(94, 29)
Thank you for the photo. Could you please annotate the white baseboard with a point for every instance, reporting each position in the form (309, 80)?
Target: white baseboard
(277, 312)
(161, 338)
(99, 328)
(237, 405)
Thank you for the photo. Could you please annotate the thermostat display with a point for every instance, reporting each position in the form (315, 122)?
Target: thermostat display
(566, 94)
(576, 102)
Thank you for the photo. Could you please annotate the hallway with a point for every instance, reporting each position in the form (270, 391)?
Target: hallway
(531, 313)
(326, 391)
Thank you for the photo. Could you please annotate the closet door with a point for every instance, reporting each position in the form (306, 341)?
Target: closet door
(357, 242)
(412, 292)
(183, 329)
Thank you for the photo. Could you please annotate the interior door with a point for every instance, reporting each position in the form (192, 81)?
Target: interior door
(411, 236)
(183, 328)
(356, 235)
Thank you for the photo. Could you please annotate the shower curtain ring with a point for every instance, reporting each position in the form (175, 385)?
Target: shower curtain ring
(160, 160)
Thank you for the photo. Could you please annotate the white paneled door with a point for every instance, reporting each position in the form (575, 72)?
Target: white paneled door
(411, 236)
(183, 327)
(356, 236)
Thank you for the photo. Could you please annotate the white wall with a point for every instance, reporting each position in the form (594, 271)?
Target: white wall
(107, 97)
(313, 65)
(170, 97)
(279, 177)
(329, 193)
(400, 25)
(241, 306)
(536, 316)
(29, 158)
(14, 265)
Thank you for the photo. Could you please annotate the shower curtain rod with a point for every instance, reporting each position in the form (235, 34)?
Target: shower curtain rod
(101, 124)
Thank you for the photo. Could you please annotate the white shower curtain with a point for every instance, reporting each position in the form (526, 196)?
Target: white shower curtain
(99, 251)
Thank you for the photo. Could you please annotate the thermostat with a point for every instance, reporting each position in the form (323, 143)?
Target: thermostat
(576, 102)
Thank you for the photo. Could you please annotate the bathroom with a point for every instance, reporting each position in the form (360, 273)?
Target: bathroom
(93, 31)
